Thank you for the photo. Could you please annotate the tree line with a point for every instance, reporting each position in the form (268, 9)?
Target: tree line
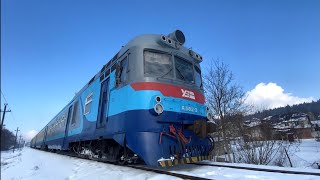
(7, 139)
(311, 107)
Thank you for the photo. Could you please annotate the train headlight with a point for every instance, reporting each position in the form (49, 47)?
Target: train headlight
(158, 108)
(158, 99)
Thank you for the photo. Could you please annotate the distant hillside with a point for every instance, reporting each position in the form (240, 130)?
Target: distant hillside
(313, 107)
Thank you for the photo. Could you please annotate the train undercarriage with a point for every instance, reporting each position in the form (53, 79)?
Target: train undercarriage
(105, 150)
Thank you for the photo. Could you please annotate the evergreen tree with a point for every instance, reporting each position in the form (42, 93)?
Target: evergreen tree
(7, 139)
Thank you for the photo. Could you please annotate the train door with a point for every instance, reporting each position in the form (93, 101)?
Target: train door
(103, 105)
(67, 126)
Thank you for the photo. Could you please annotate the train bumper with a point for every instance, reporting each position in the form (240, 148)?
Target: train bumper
(173, 162)
(157, 150)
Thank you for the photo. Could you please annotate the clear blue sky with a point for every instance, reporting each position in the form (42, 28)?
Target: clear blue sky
(51, 48)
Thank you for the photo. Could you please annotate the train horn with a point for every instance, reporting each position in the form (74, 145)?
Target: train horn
(178, 36)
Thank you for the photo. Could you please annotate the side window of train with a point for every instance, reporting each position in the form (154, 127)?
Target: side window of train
(75, 113)
(88, 103)
(121, 71)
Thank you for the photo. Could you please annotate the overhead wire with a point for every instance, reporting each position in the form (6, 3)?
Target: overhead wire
(4, 97)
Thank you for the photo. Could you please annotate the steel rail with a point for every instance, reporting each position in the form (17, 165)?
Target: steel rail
(261, 169)
(159, 171)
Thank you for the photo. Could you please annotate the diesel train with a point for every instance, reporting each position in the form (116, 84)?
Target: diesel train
(146, 105)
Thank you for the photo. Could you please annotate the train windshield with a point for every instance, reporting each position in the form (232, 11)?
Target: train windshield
(184, 70)
(158, 65)
(161, 65)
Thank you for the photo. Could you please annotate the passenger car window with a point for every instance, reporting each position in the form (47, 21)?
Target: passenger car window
(88, 103)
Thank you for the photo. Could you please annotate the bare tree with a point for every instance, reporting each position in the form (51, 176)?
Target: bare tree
(260, 143)
(224, 98)
(256, 145)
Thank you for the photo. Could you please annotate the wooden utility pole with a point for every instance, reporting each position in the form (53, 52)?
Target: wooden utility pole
(4, 113)
(15, 142)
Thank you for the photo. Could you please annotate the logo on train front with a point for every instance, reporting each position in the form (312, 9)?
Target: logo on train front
(188, 94)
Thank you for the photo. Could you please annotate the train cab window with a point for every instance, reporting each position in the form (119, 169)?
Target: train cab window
(123, 70)
(88, 103)
(121, 75)
(197, 77)
(158, 64)
(75, 113)
(184, 70)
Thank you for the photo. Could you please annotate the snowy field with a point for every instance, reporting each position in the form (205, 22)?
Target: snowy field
(39, 165)
(304, 154)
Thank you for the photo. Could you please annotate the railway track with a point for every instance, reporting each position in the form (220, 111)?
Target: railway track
(183, 176)
(261, 169)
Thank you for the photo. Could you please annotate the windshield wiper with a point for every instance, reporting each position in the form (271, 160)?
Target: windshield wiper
(183, 78)
(166, 73)
(180, 74)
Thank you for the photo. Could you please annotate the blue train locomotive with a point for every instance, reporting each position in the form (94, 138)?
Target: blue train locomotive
(145, 105)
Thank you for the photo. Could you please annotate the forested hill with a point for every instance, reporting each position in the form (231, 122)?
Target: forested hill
(313, 107)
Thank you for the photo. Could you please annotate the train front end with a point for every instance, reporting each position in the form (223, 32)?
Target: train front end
(173, 125)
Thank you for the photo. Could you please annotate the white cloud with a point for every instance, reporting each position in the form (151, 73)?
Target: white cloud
(29, 135)
(272, 95)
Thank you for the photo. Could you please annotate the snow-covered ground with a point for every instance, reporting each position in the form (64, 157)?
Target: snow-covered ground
(39, 165)
(306, 155)
(303, 154)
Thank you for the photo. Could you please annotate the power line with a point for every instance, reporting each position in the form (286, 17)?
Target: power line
(4, 97)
